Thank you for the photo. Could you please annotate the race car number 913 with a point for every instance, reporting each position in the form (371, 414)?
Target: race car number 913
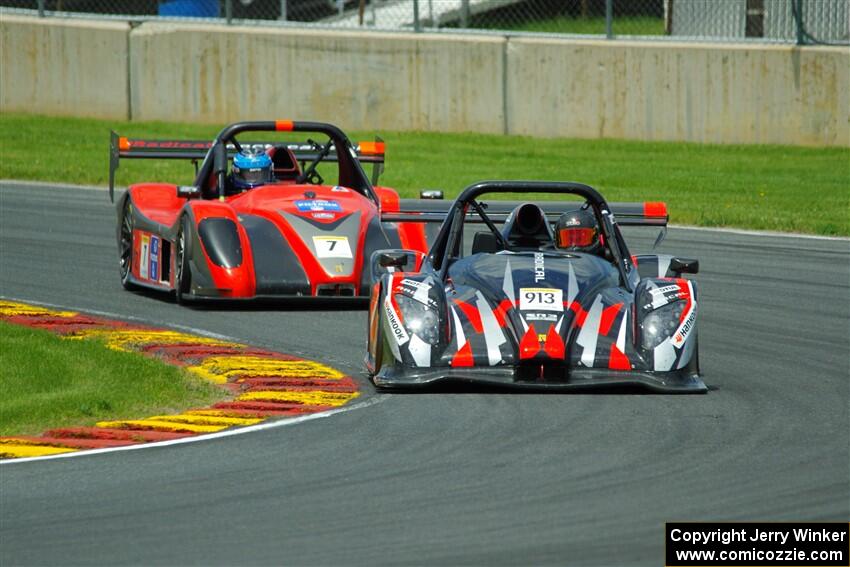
(537, 299)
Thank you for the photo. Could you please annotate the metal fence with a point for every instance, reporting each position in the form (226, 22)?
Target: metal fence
(798, 21)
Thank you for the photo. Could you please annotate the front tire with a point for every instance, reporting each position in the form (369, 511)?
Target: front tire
(377, 352)
(125, 246)
(183, 273)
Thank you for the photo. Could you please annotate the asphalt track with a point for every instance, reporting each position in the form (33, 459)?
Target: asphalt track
(472, 478)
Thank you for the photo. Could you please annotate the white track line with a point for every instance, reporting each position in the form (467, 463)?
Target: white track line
(770, 233)
(195, 439)
(48, 185)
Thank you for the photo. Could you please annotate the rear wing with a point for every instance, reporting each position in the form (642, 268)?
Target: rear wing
(122, 147)
(427, 210)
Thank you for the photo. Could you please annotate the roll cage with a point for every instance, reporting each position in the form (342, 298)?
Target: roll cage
(448, 243)
(351, 174)
(213, 156)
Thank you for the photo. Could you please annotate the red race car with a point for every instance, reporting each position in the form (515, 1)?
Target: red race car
(260, 221)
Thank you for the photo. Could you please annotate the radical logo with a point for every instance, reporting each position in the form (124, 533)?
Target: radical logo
(539, 267)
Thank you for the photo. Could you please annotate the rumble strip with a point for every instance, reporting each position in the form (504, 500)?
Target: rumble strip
(263, 384)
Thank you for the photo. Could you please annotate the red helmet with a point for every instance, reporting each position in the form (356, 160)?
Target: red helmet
(577, 231)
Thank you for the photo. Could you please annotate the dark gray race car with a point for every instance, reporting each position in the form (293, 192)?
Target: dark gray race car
(520, 311)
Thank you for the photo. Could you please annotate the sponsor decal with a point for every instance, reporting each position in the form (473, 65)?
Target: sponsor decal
(332, 247)
(155, 144)
(316, 205)
(664, 289)
(144, 255)
(153, 272)
(338, 189)
(663, 295)
(541, 299)
(410, 288)
(396, 328)
(539, 268)
(323, 216)
(685, 328)
(541, 317)
(414, 284)
(572, 222)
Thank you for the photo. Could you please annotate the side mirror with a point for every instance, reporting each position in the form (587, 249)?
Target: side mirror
(684, 265)
(431, 194)
(392, 259)
(188, 191)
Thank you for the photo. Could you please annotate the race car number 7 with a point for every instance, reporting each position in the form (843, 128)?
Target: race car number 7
(541, 299)
(332, 247)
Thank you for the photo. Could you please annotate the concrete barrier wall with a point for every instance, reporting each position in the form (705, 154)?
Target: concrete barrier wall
(679, 91)
(717, 93)
(359, 81)
(73, 67)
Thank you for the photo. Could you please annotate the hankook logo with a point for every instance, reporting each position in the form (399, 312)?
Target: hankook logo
(397, 328)
(685, 329)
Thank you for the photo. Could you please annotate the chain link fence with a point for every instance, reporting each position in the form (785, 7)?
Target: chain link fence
(798, 21)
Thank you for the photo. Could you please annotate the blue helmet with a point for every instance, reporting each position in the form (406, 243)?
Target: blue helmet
(251, 169)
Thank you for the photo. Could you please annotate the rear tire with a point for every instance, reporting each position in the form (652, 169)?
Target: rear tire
(182, 271)
(125, 246)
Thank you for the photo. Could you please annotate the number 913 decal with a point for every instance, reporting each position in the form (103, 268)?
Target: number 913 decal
(541, 299)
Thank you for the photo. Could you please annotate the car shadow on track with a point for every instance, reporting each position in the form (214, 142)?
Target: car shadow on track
(263, 304)
(526, 389)
(291, 304)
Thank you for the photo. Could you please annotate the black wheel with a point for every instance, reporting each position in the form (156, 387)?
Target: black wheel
(696, 355)
(378, 355)
(125, 246)
(693, 363)
(182, 272)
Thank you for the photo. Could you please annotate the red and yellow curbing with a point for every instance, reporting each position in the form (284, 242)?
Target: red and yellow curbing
(264, 384)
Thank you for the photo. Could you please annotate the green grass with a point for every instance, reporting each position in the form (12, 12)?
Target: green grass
(51, 382)
(590, 26)
(785, 188)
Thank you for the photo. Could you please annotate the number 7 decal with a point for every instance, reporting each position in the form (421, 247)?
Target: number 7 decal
(331, 247)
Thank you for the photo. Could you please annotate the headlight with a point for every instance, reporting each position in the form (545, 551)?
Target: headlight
(661, 324)
(419, 319)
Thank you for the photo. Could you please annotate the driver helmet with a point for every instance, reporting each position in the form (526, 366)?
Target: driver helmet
(251, 170)
(577, 231)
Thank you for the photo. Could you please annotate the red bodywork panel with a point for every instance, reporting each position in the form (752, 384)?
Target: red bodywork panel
(159, 203)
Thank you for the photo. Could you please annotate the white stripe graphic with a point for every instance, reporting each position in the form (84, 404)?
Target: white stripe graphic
(421, 293)
(420, 351)
(590, 332)
(663, 264)
(461, 338)
(508, 283)
(493, 335)
(621, 336)
(572, 286)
